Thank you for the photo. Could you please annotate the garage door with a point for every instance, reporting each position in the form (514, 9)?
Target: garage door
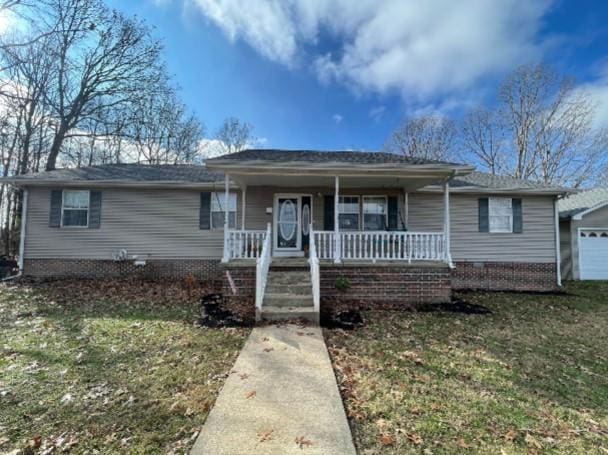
(593, 246)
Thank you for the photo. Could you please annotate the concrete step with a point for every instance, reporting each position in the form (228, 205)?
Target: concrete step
(280, 288)
(282, 278)
(287, 300)
(272, 313)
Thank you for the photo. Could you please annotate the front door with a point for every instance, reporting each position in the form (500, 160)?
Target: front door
(292, 218)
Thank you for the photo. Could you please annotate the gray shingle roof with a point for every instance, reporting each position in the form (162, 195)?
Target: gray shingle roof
(577, 203)
(317, 156)
(128, 173)
(485, 181)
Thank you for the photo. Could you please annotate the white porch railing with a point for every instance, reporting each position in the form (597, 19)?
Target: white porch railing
(261, 269)
(315, 277)
(383, 245)
(241, 244)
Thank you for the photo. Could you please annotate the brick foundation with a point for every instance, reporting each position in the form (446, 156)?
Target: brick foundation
(384, 286)
(239, 290)
(202, 269)
(505, 276)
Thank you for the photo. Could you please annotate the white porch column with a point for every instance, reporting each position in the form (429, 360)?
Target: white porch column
(558, 257)
(406, 208)
(226, 256)
(243, 201)
(446, 222)
(338, 240)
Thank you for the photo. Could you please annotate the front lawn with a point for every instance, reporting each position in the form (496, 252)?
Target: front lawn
(112, 367)
(530, 377)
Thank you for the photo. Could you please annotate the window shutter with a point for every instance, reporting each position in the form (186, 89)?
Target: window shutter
(205, 213)
(484, 214)
(95, 210)
(55, 212)
(518, 219)
(328, 213)
(393, 213)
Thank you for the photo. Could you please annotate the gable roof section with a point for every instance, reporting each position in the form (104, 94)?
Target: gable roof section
(282, 156)
(483, 182)
(122, 174)
(578, 205)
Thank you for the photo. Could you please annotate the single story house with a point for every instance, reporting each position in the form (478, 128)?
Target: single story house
(289, 232)
(583, 223)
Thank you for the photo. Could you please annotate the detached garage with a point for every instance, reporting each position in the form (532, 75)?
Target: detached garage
(584, 235)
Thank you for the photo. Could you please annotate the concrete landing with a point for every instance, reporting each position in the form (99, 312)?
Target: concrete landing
(280, 398)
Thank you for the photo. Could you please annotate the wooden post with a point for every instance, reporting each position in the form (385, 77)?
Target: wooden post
(446, 221)
(337, 239)
(226, 256)
(243, 200)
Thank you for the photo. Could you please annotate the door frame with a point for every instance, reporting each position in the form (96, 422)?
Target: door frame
(289, 252)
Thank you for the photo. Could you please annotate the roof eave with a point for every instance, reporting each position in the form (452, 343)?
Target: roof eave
(299, 167)
(22, 183)
(487, 190)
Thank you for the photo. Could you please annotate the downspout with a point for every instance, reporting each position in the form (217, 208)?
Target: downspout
(558, 256)
(22, 236)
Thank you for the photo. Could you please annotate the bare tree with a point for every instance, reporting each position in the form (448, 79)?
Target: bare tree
(98, 67)
(234, 135)
(483, 137)
(542, 129)
(424, 137)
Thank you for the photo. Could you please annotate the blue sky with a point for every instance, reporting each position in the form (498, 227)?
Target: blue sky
(343, 74)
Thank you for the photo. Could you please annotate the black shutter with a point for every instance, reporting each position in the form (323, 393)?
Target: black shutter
(518, 219)
(205, 213)
(393, 213)
(484, 215)
(55, 212)
(95, 210)
(328, 212)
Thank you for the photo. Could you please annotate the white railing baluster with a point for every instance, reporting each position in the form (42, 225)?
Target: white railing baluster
(261, 270)
(315, 276)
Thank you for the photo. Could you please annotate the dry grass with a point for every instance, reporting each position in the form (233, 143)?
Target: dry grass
(530, 377)
(110, 367)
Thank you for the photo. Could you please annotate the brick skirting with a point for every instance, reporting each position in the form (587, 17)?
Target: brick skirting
(384, 286)
(505, 276)
(202, 269)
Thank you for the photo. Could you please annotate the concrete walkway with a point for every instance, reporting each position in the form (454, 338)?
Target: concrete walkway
(280, 398)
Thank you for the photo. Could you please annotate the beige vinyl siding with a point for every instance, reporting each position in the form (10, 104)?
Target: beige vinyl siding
(535, 244)
(565, 243)
(259, 198)
(597, 219)
(160, 224)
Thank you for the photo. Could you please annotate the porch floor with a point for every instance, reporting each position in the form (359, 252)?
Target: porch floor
(303, 262)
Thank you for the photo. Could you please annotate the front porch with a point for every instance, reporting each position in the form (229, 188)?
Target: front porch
(352, 223)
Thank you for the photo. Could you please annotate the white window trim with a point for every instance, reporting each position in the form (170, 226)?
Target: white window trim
(375, 196)
(358, 213)
(63, 208)
(221, 196)
(510, 230)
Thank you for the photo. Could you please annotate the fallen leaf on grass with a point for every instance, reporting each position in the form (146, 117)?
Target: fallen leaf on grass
(415, 439)
(532, 442)
(387, 440)
(302, 442)
(265, 435)
(3, 441)
(463, 444)
(250, 394)
(510, 435)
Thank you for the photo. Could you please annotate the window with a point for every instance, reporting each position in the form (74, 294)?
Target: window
(500, 214)
(348, 212)
(75, 208)
(374, 213)
(217, 210)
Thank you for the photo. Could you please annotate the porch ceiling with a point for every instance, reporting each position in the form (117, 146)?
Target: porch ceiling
(407, 182)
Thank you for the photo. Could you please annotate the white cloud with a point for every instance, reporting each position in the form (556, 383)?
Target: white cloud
(337, 118)
(421, 49)
(376, 113)
(598, 92)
